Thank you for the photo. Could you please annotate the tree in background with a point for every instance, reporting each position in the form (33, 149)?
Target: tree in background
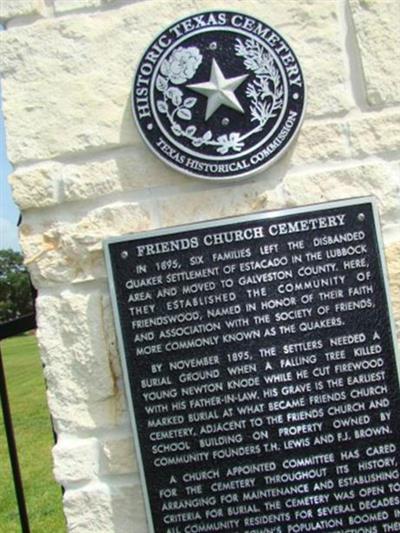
(15, 289)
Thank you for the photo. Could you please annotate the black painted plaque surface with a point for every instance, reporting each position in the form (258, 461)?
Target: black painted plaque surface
(259, 362)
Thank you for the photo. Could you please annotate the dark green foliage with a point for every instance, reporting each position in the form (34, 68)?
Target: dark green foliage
(15, 290)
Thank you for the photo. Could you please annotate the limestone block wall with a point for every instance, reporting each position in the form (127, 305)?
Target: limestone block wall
(82, 174)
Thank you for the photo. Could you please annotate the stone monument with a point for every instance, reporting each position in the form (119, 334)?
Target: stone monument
(82, 174)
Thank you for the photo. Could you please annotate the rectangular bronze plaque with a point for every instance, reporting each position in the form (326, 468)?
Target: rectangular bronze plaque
(259, 362)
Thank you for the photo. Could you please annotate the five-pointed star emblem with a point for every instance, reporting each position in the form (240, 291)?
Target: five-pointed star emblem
(219, 90)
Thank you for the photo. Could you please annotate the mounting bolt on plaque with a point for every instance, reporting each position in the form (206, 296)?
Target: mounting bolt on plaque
(219, 95)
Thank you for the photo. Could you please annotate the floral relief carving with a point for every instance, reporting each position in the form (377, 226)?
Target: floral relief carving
(265, 94)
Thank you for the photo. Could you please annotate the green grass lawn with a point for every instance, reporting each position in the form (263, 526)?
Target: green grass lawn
(34, 440)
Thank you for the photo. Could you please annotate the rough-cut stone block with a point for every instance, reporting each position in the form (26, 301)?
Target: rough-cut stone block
(51, 182)
(101, 509)
(36, 186)
(62, 7)
(89, 510)
(75, 459)
(84, 66)
(72, 251)
(229, 200)
(128, 509)
(81, 416)
(392, 253)
(318, 142)
(134, 168)
(379, 180)
(375, 133)
(378, 35)
(83, 388)
(118, 456)
(21, 8)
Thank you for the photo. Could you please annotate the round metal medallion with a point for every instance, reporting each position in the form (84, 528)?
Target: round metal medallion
(219, 95)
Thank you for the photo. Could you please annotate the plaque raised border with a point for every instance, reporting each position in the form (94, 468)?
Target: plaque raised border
(216, 223)
(218, 147)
